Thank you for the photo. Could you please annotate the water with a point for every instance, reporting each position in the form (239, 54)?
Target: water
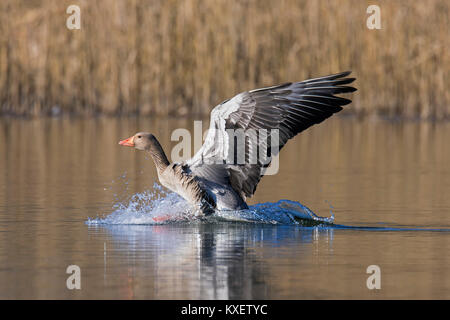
(70, 195)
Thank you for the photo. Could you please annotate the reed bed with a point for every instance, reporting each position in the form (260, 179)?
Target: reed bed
(170, 57)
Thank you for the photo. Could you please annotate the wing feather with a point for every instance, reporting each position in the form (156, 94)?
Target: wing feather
(289, 107)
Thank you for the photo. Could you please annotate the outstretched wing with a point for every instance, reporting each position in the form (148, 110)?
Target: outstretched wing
(289, 108)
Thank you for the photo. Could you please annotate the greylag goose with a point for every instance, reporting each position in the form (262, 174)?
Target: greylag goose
(220, 177)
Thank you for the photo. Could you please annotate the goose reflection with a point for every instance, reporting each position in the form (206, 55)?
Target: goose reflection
(205, 260)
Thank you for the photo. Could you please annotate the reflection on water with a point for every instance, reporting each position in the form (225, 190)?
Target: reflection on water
(57, 173)
(205, 261)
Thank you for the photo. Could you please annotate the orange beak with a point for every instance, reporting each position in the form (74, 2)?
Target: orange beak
(127, 142)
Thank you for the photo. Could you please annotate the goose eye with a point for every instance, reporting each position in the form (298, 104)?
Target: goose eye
(139, 137)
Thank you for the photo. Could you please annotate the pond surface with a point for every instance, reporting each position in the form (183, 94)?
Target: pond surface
(58, 175)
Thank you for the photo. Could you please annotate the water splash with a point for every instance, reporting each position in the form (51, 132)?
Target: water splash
(161, 207)
(281, 212)
(149, 207)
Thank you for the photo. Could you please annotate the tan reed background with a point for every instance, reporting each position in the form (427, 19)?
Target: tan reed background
(174, 57)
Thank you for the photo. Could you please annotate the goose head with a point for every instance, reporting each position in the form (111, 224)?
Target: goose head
(140, 141)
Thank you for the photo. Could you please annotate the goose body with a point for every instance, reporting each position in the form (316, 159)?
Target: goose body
(228, 166)
(201, 191)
